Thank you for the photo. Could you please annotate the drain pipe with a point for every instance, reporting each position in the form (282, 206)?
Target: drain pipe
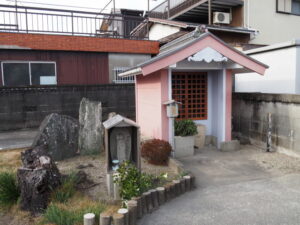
(269, 133)
(209, 12)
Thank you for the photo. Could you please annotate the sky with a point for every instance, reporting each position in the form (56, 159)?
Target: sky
(97, 5)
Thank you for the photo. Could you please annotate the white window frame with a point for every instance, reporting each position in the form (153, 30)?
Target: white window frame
(122, 80)
(29, 67)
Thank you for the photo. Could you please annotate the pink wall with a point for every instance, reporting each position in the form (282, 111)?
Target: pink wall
(228, 105)
(151, 93)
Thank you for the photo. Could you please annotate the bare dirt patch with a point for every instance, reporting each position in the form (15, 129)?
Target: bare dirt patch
(274, 161)
(95, 169)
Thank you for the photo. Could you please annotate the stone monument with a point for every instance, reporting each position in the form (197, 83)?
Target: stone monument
(90, 127)
(59, 133)
(122, 143)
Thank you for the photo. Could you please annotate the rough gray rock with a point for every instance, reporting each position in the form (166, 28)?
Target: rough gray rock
(90, 131)
(38, 177)
(60, 134)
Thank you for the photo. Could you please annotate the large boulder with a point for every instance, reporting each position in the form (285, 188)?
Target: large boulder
(90, 127)
(60, 134)
(38, 177)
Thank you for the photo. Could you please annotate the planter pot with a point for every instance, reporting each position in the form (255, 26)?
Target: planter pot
(184, 146)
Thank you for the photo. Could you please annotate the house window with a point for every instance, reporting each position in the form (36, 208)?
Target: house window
(191, 90)
(22, 73)
(288, 6)
(296, 7)
(122, 80)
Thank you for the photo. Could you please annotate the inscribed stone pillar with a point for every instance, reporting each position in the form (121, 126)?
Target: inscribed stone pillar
(90, 130)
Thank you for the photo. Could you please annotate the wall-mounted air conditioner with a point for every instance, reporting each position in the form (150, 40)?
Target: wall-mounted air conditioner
(221, 17)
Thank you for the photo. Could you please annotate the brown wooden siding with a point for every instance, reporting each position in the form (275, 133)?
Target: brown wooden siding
(71, 67)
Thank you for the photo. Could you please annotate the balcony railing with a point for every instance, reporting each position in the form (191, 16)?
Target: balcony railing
(66, 22)
(173, 8)
(170, 8)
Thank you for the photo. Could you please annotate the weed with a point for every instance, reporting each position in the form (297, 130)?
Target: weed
(9, 191)
(63, 193)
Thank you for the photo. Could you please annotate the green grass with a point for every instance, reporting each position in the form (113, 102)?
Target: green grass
(9, 192)
(66, 191)
(55, 214)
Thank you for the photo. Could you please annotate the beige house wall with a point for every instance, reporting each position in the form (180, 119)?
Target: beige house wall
(273, 27)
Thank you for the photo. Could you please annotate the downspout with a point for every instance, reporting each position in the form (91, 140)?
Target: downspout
(209, 12)
(248, 13)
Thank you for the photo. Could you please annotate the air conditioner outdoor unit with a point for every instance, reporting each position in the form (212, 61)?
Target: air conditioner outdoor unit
(221, 17)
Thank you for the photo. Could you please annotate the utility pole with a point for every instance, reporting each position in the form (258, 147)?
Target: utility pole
(114, 3)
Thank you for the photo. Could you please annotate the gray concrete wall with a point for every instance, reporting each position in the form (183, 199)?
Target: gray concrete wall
(250, 119)
(26, 107)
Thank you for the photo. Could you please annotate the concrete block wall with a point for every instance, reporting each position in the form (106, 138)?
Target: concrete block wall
(26, 107)
(249, 119)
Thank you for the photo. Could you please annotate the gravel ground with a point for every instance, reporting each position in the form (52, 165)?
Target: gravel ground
(274, 161)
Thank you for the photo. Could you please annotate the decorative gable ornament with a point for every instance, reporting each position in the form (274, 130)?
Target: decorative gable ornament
(208, 55)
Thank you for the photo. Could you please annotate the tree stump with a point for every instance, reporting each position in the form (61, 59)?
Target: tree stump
(187, 182)
(168, 192)
(144, 203)
(177, 187)
(182, 185)
(172, 190)
(105, 219)
(161, 195)
(89, 219)
(124, 212)
(193, 181)
(118, 219)
(154, 198)
(149, 202)
(132, 208)
(37, 178)
(139, 206)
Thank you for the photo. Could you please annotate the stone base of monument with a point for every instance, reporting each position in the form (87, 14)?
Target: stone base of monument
(112, 188)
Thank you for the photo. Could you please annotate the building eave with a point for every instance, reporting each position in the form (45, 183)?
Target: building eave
(288, 44)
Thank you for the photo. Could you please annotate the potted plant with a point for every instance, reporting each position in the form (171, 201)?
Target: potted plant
(185, 131)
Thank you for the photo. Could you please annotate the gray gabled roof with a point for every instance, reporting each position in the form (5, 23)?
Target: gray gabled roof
(119, 121)
(179, 44)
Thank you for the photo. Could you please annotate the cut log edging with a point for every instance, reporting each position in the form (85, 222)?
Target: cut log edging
(152, 199)
(144, 204)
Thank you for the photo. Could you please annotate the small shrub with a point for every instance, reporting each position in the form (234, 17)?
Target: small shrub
(132, 183)
(156, 151)
(66, 190)
(185, 128)
(9, 191)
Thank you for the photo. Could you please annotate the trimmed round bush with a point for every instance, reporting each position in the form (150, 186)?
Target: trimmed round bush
(156, 151)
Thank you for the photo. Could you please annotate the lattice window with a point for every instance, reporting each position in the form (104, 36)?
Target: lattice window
(191, 90)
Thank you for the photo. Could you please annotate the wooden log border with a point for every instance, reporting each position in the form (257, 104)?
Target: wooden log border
(148, 201)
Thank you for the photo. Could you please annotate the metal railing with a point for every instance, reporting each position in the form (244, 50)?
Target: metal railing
(169, 8)
(67, 22)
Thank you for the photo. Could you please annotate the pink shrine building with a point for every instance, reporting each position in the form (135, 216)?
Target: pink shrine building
(197, 71)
